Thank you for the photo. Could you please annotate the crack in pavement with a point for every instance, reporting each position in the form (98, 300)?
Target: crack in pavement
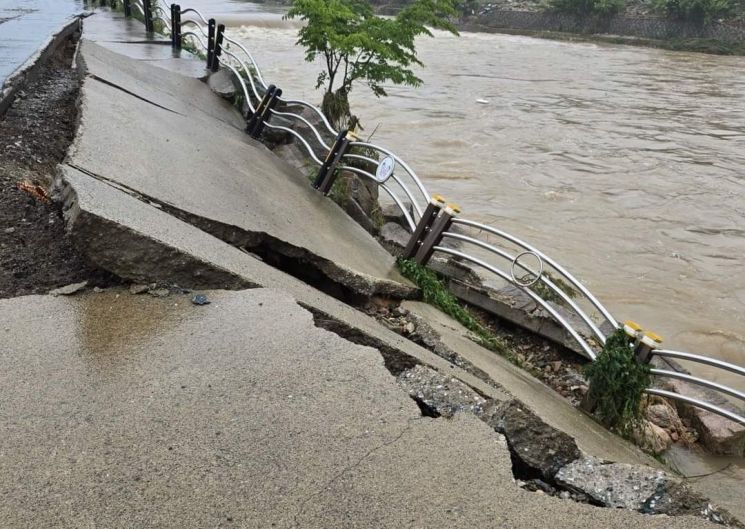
(129, 92)
(349, 468)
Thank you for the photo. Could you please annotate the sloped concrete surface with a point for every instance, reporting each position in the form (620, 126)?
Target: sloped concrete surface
(545, 402)
(224, 182)
(183, 95)
(134, 411)
(139, 241)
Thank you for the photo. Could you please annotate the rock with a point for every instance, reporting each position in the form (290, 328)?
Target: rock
(678, 499)
(9, 230)
(394, 237)
(159, 292)
(652, 438)
(409, 328)
(69, 289)
(617, 485)
(717, 434)
(533, 443)
(664, 416)
(200, 299)
(392, 213)
(221, 82)
(441, 394)
(138, 289)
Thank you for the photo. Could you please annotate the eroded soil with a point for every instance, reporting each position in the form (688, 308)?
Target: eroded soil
(36, 255)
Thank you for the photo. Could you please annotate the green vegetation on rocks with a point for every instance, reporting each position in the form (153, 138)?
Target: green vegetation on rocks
(436, 293)
(617, 382)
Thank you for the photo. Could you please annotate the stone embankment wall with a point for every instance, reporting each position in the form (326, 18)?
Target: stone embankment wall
(640, 27)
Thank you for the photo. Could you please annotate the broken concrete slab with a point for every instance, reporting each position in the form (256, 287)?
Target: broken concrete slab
(616, 485)
(513, 305)
(441, 394)
(221, 82)
(545, 402)
(172, 91)
(241, 412)
(536, 446)
(69, 290)
(138, 241)
(219, 179)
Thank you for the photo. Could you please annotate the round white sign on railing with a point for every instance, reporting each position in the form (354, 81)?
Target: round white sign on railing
(385, 169)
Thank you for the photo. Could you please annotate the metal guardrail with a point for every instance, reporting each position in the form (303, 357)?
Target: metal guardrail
(430, 221)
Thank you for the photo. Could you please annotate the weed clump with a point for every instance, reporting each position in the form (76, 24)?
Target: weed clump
(436, 293)
(617, 382)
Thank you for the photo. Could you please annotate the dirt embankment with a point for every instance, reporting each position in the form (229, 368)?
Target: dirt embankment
(35, 253)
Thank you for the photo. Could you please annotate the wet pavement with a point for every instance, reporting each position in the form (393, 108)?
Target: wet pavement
(25, 25)
(140, 411)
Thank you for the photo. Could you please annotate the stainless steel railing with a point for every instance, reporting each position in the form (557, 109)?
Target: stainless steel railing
(492, 248)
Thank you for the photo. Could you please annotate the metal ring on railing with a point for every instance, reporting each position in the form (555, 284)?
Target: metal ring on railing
(550, 284)
(556, 266)
(538, 276)
(535, 297)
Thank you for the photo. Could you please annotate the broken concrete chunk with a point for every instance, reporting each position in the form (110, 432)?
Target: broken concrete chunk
(138, 289)
(617, 485)
(678, 499)
(221, 82)
(537, 446)
(440, 393)
(69, 290)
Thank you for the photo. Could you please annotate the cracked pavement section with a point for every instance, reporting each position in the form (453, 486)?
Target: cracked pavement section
(136, 411)
(148, 137)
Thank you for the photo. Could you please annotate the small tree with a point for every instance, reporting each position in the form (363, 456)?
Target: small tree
(355, 45)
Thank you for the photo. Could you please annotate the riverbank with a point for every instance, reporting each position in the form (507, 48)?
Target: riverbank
(698, 45)
(251, 364)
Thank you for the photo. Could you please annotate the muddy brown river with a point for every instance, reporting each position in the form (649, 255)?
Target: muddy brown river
(627, 164)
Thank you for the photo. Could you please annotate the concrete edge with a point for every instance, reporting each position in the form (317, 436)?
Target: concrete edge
(26, 72)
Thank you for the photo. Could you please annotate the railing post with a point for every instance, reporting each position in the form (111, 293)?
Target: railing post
(148, 12)
(648, 343)
(323, 171)
(176, 28)
(210, 41)
(127, 8)
(256, 122)
(337, 152)
(252, 122)
(440, 225)
(436, 203)
(217, 51)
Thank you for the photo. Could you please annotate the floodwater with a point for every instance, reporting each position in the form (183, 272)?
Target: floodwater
(26, 24)
(626, 164)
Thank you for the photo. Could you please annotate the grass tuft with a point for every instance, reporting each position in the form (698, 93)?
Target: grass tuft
(617, 382)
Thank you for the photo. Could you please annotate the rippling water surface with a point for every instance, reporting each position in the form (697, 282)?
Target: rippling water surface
(626, 164)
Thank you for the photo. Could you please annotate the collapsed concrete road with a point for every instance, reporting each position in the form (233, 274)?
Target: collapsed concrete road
(171, 141)
(142, 411)
(137, 411)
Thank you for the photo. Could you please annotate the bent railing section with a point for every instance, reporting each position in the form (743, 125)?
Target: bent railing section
(435, 227)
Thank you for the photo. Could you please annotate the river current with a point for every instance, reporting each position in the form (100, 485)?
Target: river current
(626, 164)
